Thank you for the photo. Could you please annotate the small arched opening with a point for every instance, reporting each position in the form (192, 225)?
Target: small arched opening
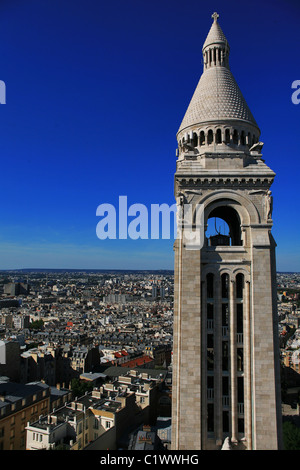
(239, 285)
(227, 136)
(235, 137)
(225, 286)
(210, 286)
(202, 138)
(218, 136)
(243, 138)
(195, 140)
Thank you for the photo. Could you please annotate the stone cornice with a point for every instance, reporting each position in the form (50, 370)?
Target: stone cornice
(246, 182)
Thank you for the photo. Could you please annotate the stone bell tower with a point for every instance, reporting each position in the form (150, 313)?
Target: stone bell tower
(226, 383)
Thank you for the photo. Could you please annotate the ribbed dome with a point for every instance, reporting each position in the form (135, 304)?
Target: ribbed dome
(216, 97)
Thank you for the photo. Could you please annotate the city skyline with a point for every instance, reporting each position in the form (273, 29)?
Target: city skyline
(95, 96)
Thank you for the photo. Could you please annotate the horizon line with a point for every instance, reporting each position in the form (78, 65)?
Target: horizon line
(86, 269)
(109, 269)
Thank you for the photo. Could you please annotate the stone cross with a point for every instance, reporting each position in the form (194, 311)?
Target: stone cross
(215, 16)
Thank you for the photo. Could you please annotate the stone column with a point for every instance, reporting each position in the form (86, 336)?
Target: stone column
(265, 377)
(233, 361)
(204, 362)
(247, 357)
(187, 346)
(223, 135)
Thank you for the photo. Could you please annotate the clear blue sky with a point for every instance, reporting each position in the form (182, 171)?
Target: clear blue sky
(96, 92)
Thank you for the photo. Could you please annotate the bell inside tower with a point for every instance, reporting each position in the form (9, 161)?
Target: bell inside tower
(224, 227)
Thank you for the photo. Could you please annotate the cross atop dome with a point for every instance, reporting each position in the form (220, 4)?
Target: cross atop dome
(215, 16)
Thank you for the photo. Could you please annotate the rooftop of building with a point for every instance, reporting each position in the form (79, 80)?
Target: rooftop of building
(145, 439)
(73, 410)
(11, 392)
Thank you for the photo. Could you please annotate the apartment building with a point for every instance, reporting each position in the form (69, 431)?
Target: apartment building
(99, 419)
(81, 422)
(10, 359)
(20, 404)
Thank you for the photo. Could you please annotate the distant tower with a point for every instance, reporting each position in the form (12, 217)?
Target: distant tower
(226, 380)
(154, 291)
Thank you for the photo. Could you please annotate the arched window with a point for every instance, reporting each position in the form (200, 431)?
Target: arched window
(235, 137)
(202, 138)
(210, 137)
(195, 140)
(243, 139)
(225, 286)
(210, 285)
(218, 136)
(227, 136)
(239, 285)
(224, 227)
